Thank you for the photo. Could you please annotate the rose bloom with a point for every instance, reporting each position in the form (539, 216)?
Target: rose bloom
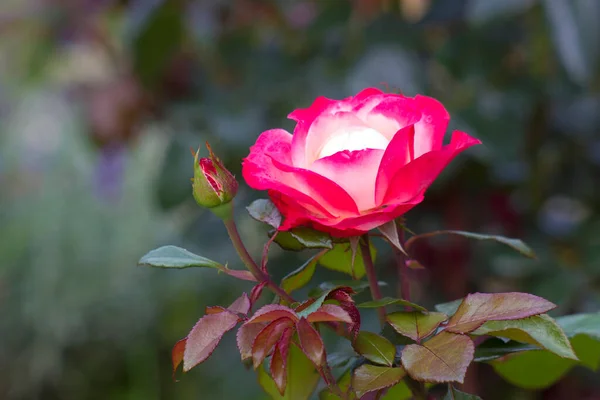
(354, 164)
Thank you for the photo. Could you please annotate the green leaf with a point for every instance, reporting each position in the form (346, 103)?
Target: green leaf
(343, 383)
(540, 330)
(176, 257)
(515, 244)
(495, 348)
(368, 378)
(340, 259)
(302, 377)
(443, 358)
(357, 286)
(263, 210)
(388, 301)
(588, 324)
(448, 308)
(299, 277)
(302, 238)
(455, 394)
(416, 325)
(157, 42)
(540, 369)
(478, 308)
(399, 391)
(375, 348)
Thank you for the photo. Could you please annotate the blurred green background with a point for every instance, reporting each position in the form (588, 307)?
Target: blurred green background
(100, 101)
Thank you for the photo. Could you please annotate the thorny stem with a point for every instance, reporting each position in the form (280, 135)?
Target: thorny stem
(260, 276)
(371, 276)
(402, 268)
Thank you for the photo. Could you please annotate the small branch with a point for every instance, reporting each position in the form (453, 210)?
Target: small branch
(371, 275)
(331, 382)
(260, 276)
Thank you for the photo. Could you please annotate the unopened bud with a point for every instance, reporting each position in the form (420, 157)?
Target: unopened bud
(213, 185)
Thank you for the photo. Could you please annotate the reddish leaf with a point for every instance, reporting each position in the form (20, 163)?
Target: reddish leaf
(368, 378)
(444, 358)
(241, 305)
(271, 312)
(478, 308)
(205, 336)
(343, 296)
(311, 342)
(245, 338)
(330, 312)
(177, 354)
(266, 339)
(256, 292)
(214, 310)
(416, 325)
(240, 274)
(279, 360)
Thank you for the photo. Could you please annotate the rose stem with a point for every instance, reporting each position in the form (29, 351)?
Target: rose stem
(260, 276)
(371, 276)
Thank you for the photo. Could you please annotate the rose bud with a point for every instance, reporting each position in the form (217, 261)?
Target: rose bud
(213, 185)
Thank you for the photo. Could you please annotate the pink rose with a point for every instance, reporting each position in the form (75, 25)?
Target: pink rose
(354, 164)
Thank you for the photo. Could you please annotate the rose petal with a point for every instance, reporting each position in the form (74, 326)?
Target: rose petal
(389, 113)
(355, 172)
(322, 190)
(399, 152)
(416, 176)
(431, 128)
(260, 173)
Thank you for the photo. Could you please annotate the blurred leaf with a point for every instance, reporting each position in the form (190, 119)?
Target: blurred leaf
(341, 359)
(588, 324)
(388, 301)
(310, 342)
(302, 378)
(158, 41)
(300, 277)
(481, 11)
(416, 325)
(455, 394)
(540, 330)
(176, 257)
(443, 358)
(478, 308)
(368, 378)
(263, 210)
(538, 369)
(516, 244)
(566, 31)
(205, 336)
(302, 238)
(375, 348)
(340, 259)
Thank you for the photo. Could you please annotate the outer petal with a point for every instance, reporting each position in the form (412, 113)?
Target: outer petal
(260, 173)
(356, 226)
(355, 172)
(416, 176)
(430, 130)
(399, 152)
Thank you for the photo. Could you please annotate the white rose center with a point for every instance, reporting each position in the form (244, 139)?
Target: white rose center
(354, 138)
